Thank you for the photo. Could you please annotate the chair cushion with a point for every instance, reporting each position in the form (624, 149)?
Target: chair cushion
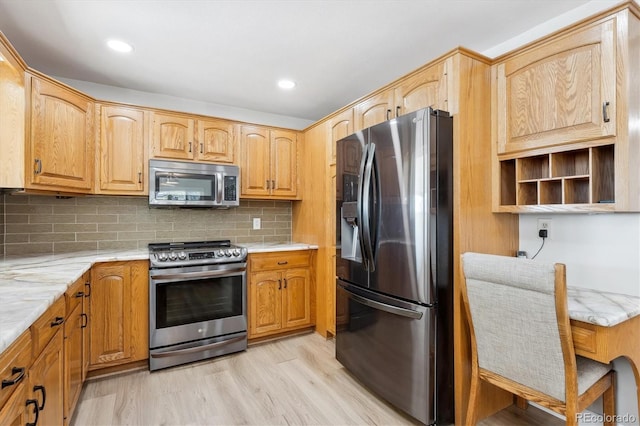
(589, 372)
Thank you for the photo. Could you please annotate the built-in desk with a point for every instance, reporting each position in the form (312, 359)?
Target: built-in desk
(605, 326)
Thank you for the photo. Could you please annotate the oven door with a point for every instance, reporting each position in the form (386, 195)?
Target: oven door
(195, 303)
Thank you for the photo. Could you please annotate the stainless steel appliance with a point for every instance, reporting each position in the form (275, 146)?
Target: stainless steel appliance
(197, 301)
(394, 313)
(184, 184)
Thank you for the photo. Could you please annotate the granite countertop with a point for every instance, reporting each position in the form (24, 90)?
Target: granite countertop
(601, 307)
(30, 284)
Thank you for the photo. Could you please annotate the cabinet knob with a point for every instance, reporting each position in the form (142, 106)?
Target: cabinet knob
(37, 166)
(190, 146)
(279, 284)
(201, 148)
(398, 111)
(36, 411)
(388, 114)
(285, 283)
(605, 112)
(268, 186)
(18, 372)
(283, 262)
(58, 321)
(44, 395)
(88, 287)
(139, 177)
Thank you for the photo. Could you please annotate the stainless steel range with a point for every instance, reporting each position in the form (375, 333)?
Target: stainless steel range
(197, 301)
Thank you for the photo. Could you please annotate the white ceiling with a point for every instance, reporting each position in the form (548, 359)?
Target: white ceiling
(232, 52)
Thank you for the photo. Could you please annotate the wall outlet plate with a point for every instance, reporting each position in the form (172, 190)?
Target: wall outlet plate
(544, 224)
(256, 223)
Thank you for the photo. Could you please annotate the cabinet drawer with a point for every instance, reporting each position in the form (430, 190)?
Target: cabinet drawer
(583, 338)
(47, 325)
(74, 295)
(18, 357)
(279, 260)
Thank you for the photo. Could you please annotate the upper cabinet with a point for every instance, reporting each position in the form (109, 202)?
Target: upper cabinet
(216, 141)
(268, 163)
(60, 149)
(182, 137)
(340, 126)
(121, 166)
(173, 136)
(564, 113)
(561, 92)
(12, 116)
(424, 88)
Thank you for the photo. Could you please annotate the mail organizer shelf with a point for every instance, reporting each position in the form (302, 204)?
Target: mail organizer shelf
(575, 180)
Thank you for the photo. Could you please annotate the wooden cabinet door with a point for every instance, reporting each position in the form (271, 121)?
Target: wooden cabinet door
(61, 148)
(265, 306)
(73, 352)
(121, 148)
(111, 294)
(340, 126)
(255, 156)
(560, 92)
(427, 88)
(216, 142)
(284, 163)
(173, 136)
(373, 110)
(296, 306)
(119, 313)
(15, 412)
(46, 376)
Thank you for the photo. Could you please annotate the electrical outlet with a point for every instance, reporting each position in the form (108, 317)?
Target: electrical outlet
(256, 223)
(546, 225)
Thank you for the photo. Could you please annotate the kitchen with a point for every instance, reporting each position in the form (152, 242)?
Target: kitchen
(613, 238)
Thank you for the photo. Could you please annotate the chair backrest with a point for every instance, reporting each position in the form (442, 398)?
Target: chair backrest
(518, 328)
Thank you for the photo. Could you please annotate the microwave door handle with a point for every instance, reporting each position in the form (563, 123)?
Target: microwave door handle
(219, 188)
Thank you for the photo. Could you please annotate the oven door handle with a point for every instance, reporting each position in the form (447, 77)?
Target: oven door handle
(198, 348)
(200, 274)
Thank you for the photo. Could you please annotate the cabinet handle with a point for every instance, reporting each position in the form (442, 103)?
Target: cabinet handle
(36, 411)
(397, 111)
(201, 148)
(605, 112)
(279, 284)
(37, 166)
(388, 114)
(20, 375)
(58, 321)
(44, 395)
(285, 283)
(86, 320)
(87, 286)
(268, 184)
(283, 262)
(79, 294)
(190, 146)
(139, 177)
(273, 184)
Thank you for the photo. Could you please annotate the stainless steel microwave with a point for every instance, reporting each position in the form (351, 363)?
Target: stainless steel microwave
(183, 184)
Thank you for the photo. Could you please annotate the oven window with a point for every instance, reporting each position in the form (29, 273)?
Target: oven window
(192, 301)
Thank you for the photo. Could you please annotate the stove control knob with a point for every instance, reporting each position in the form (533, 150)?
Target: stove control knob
(162, 257)
(236, 252)
(182, 255)
(173, 256)
(219, 253)
(227, 253)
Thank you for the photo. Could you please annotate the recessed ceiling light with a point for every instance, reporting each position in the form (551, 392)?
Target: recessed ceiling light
(119, 46)
(286, 84)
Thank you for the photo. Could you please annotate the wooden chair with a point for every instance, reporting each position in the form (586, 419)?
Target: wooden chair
(521, 337)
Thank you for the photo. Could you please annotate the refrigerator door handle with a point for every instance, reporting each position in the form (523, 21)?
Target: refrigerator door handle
(408, 313)
(366, 208)
(359, 205)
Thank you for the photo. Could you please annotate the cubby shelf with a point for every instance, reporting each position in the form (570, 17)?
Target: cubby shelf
(573, 180)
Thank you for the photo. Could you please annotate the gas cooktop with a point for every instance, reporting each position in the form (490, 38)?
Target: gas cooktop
(164, 255)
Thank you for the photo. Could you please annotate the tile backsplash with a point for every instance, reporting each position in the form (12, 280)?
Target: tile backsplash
(47, 224)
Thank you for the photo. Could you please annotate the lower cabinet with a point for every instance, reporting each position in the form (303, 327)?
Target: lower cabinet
(119, 305)
(280, 292)
(46, 382)
(18, 411)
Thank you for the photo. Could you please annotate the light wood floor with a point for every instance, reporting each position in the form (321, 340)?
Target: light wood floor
(293, 381)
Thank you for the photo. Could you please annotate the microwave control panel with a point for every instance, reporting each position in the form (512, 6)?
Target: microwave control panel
(230, 188)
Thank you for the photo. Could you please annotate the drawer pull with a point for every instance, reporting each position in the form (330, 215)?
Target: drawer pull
(283, 262)
(58, 321)
(88, 286)
(36, 411)
(79, 294)
(20, 375)
(605, 112)
(85, 317)
(44, 395)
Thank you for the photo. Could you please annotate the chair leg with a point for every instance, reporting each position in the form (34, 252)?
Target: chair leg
(474, 394)
(609, 402)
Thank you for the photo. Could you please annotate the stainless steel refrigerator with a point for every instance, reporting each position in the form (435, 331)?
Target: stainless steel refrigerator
(394, 266)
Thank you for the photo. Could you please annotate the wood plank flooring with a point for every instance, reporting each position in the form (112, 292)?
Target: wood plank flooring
(293, 381)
